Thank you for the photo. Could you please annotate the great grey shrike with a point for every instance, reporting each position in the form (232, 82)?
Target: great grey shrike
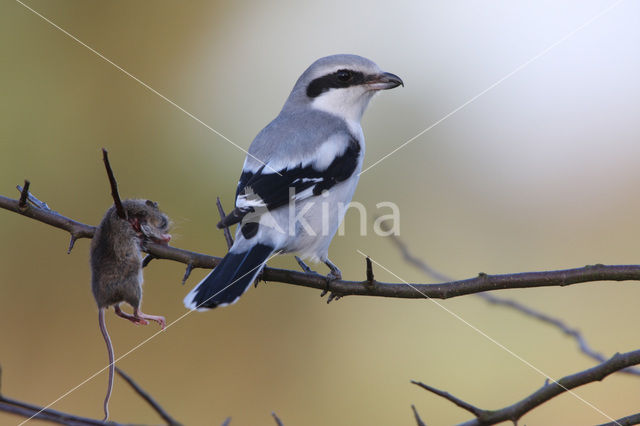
(300, 174)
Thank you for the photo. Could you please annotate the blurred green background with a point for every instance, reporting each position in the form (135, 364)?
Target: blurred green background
(539, 173)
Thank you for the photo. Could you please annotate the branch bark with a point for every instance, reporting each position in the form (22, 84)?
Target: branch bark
(481, 283)
(515, 411)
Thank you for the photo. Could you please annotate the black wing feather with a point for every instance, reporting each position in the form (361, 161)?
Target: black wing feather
(273, 188)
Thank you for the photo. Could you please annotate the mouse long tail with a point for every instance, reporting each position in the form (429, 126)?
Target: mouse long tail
(107, 340)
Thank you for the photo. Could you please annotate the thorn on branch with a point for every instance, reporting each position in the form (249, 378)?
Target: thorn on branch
(24, 195)
(369, 271)
(147, 260)
(187, 273)
(227, 233)
(114, 186)
(278, 421)
(446, 395)
(72, 242)
(417, 416)
(33, 200)
(333, 296)
(144, 395)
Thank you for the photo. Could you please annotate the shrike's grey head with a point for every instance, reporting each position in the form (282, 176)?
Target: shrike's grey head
(341, 85)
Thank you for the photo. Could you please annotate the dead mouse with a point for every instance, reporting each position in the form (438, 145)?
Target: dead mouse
(116, 265)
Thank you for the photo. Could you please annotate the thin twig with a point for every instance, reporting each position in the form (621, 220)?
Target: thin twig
(566, 329)
(26, 410)
(633, 419)
(410, 258)
(227, 233)
(144, 395)
(114, 186)
(417, 416)
(24, 194)
(549, 391)
(29, 411)
(277, 419)
(447, 290)
(446, 395)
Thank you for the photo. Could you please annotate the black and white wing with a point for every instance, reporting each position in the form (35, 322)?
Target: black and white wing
(271, 186)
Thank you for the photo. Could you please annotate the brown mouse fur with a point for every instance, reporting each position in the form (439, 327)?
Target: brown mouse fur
(116, 265)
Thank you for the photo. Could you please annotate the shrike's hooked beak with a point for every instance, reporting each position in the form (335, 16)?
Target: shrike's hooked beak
(384, 81)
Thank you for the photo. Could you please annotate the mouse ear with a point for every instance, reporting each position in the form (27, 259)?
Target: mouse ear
(151, 203)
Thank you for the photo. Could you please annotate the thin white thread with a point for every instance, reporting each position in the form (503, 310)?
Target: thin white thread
(500, 345)
(497, 83)
(146, 86)
(142, 343)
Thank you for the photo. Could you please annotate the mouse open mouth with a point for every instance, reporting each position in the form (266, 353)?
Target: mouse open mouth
(164, 239)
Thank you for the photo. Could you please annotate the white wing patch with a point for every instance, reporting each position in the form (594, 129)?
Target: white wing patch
(249, 199)
(328, 151)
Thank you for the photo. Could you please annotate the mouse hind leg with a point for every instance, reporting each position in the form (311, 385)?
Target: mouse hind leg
(137, 313)
(136, 319)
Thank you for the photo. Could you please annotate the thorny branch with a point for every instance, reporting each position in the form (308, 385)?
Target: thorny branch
(28, 411)
(549, 391)
(412, 259)
(481, 283)
(370, 287)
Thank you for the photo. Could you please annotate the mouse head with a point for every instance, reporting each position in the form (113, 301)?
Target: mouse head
(147, 220)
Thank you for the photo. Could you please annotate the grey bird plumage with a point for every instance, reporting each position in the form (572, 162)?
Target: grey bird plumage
(300, 174)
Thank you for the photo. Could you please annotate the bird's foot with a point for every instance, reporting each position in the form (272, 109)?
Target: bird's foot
(333, 275)
(305, 268)
(334, 272)
(259, 277)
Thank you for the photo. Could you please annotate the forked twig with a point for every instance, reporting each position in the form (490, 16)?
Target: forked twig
(547, 392)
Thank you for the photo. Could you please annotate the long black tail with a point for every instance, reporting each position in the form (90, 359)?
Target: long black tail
(226, 283)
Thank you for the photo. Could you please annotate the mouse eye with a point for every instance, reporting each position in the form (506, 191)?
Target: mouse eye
(344, 75)
(163, 223)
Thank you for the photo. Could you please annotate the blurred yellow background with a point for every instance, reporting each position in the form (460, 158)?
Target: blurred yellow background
(539, 173)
